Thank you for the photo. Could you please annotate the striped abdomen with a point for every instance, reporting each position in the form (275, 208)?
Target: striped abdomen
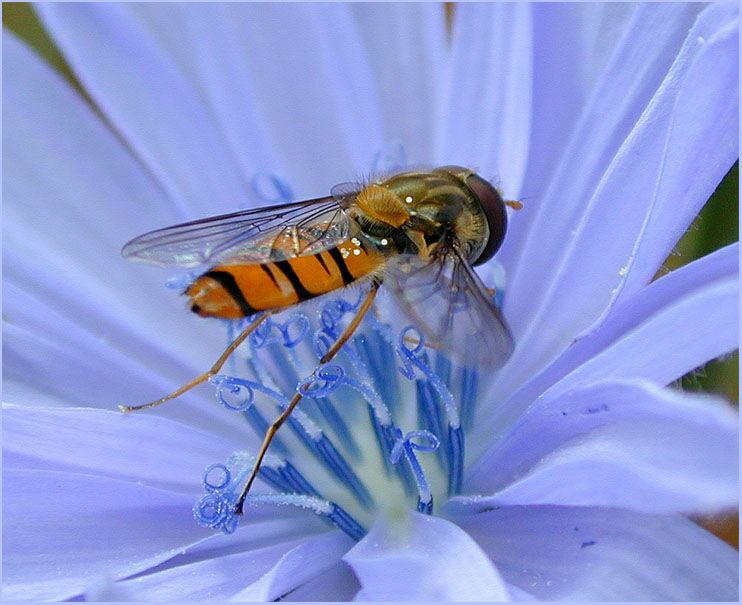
(234, 291)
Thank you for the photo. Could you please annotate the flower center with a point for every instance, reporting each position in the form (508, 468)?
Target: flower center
(377, 429)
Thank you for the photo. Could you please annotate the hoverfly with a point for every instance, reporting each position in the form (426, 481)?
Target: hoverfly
(417, 233)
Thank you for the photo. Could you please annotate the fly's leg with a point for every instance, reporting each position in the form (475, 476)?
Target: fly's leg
(206, 375)
(273, 428)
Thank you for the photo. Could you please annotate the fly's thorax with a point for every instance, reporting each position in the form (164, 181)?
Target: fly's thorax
(439, 204)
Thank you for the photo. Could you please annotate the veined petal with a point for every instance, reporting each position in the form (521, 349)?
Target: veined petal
(140, 448)
(486, 112)
(486, 117)
(669, 328)
(142, 92)
(317, 118)
(68, 190)
(72, 348)
(602, 554)
(212, 577)
(626, 444)
(541, 63)
(571, 43)
(640, 60)
(406, 46)
(338, 583)
(423, 558)
(117, 528)
(296, 567)
(563, 285)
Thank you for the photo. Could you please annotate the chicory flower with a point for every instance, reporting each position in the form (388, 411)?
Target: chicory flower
(613, 122)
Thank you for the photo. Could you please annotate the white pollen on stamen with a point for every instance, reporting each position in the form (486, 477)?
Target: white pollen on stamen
(408, 199)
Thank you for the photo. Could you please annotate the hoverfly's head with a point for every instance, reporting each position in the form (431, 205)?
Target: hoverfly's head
(492, 205)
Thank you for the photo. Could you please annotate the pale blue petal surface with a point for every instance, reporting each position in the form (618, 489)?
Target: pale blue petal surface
(637, 66)
(405, 44)
(80, 322)
(571, 43)
(577, 256)
(114, 528)
(590, 110)
(220, 577)
(486, 112)
(150, 102)
(624, 444)
(668, 329)
(317, 119)
(601, 554)
(139, 448)
(336, 584)
(296, 567)
(422, 558)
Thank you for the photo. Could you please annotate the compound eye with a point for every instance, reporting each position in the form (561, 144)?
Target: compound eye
(494, 209)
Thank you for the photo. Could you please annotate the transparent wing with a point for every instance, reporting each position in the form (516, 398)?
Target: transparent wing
(271, 233)
(447, 301)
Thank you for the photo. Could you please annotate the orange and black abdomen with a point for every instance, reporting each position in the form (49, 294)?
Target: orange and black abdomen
(235, 291)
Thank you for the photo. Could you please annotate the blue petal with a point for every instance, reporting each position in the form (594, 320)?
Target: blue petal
(302, 69)
(299, 565)
(81, 323)
(627, 444)
(632, 191)
(423, 558)
(137, 448)
(487, 107)
(674, 325)
(140, 89)
(571, 43)
(114, 528)
(224, 576)
(336, 584)
(405, 45)
(600, 554)
(291, 86)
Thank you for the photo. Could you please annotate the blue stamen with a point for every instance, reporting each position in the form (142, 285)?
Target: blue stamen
(469, 381)
(408, 446)
(216, 508)
(429, 411)
(331, 511)
(456, 458)
(380, 367)
(443, 367)
(234, 394)
(335, 421)
(216, 477)
(329, 378)
(294, 329)
(282, 352)
(296, 480)
(411, 361)
(307, 431)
